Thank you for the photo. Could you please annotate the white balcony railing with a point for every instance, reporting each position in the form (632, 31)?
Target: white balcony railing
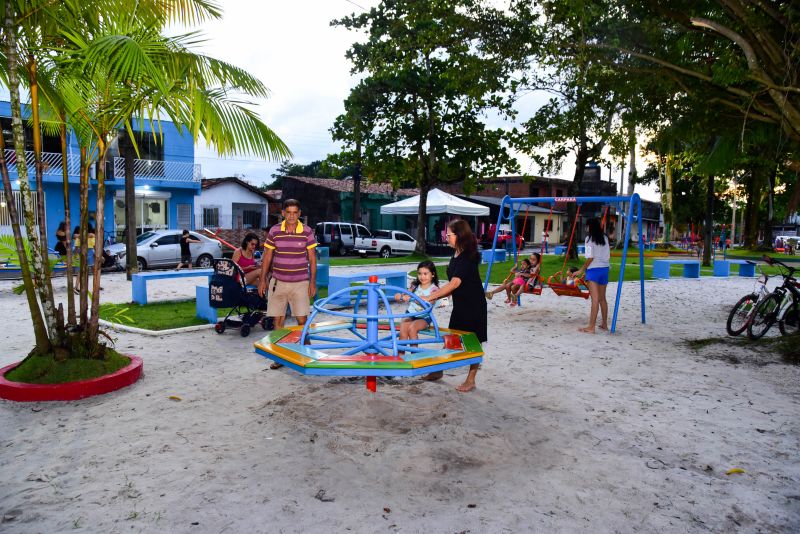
(50, 160)
(172, 171)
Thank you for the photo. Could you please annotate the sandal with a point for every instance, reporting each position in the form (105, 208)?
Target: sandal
(275, 365)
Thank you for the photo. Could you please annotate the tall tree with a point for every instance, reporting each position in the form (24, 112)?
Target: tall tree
(432, 70)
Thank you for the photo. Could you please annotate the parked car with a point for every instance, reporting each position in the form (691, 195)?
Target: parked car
(343, 237)
(392, 242)
(162, 249)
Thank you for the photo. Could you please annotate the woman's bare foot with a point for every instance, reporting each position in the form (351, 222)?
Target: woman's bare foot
(489, 295)
(468, 385)
(586, 330)
(603, 327)
(431, 377)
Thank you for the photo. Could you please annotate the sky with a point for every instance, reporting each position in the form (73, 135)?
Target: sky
(292, 48)
(300, 57)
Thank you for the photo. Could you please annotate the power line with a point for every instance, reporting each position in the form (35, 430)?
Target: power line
(362, 8)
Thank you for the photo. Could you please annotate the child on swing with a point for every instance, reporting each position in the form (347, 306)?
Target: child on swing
(536, 266)
(427, 282)
(523, 273)
(572, 276)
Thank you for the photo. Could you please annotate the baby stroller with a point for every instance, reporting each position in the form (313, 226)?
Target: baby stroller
(227, 289)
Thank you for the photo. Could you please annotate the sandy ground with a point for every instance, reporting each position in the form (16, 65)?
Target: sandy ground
(566, 432)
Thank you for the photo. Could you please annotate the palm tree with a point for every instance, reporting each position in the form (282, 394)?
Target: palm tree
(104, 72)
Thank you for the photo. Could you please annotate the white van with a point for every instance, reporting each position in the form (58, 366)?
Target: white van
(344, 237)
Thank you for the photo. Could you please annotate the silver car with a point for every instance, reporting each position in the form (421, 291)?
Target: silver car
(162, 249)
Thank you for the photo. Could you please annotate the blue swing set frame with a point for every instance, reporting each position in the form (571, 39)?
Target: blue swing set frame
(511, 206)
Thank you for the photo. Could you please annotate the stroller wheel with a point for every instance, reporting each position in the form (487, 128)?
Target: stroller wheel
(219, 328)
(245, 330)
(266, 323)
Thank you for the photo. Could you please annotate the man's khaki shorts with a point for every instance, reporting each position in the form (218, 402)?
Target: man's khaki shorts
(295, 294)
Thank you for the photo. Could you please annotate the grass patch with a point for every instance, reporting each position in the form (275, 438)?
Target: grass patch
(162, 315)
(155, 316)
(746, 254)
(38, 369)
(789, 348)
(372, 260)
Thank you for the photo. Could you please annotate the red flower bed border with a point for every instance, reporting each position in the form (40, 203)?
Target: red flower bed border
(22, 392)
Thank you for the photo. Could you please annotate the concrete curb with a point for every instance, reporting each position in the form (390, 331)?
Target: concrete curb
(155, 333)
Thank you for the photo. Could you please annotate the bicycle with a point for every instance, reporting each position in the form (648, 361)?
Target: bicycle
(781, 306)
(741, 314)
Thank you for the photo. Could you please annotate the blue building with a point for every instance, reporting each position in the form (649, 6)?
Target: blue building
(166, 179)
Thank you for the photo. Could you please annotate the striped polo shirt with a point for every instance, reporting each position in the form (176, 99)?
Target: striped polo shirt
(290, 251)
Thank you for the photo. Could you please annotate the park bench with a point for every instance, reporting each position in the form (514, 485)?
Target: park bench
(139, 280)
(562, 249)
(691, 268)
(339, 282)
(496, 254)
(723, 267)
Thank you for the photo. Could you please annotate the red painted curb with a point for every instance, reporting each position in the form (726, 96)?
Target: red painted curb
(22, 392)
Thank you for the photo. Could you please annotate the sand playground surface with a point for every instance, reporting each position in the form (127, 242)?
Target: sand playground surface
(566, 432)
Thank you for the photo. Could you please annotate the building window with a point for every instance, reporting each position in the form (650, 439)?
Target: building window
(5, 214)
(184, 215)
(251, 219)
(50, 143)
(211, 217)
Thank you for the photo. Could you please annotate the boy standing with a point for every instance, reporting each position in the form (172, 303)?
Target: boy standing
(186, 252)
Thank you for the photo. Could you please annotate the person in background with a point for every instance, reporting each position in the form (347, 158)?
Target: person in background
(61, 239)
(76, 243)
(595, 269)
(289, 251)
(245, 258)
(464, 283)
(186, 251)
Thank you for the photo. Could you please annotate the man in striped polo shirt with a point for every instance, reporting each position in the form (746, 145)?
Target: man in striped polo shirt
(289, 250)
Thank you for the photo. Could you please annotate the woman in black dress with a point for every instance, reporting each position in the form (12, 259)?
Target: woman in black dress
(469, 302)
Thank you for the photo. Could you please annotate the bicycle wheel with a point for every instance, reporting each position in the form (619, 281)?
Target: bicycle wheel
(740, 314)
(763, 317)
(789, 324)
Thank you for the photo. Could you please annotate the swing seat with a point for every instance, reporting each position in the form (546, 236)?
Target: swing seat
(563, 289)
(536, 289)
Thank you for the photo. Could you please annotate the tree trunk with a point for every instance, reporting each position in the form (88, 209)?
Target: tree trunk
(83, 274)
(130, 206)
(43, 345)
(67, 221)
(55, 328)
(357, 184)
(751, 209)
(632, 161)
(94, 319)
(39, 330)
(421, 216)
(666, 197)
(709, 224)
(574, 190)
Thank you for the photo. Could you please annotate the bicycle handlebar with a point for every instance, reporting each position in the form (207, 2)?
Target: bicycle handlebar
(773, 261)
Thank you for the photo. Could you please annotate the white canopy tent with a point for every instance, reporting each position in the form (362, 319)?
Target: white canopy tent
(438, 202)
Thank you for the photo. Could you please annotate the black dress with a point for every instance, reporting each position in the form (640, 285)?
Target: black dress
(469, 300)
